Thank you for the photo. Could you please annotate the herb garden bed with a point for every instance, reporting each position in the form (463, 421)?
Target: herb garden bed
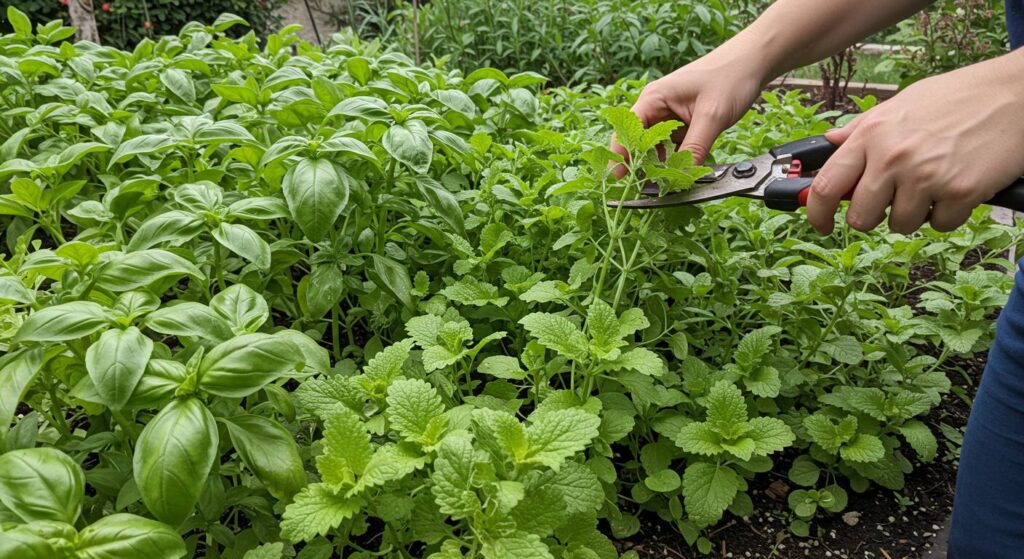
(264, 300)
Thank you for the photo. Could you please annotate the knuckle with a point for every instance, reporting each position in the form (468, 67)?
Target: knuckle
(699, 152)
(825, 185)
(961, 192)
(860, 222)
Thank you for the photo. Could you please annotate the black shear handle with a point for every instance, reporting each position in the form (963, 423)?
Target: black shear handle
(814, 151)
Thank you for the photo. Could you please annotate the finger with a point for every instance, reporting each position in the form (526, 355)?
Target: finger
(838, 136)
(701, 132)
(947, 215)
(839, 175)
(872, 195)
(618, 169)
(910, 207)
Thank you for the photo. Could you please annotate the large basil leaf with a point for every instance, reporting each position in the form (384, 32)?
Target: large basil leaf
(242, 365)
(157, 386)
(143, 268)
(173, 458)
(443, 202)
(41, 484)
(116, 362)
(17, 372)
(59, 323)
(180, 84)
(316, 194)
(244, 309)
(244, 242)
(410, 144)
(126, 536)
(175, 226)
(190, 319)
(22, 544)
(269, 450)
(393, 277)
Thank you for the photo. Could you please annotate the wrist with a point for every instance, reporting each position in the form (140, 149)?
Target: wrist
(754, 53)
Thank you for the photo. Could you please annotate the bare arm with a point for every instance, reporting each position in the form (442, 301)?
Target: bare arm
(712, 93)
(794, 33)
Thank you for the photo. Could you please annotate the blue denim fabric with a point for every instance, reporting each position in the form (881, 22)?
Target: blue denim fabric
(1015, 22)
(988, 510)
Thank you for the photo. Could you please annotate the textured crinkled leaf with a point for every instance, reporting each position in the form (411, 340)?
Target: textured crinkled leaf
(452, 479)
(639, 359)
(388, 362)
(920, 438)
(770, 435)
(557, 333)
(755, 345)
(390, 462)
(315, 511)
(708, 490)
(412, 405)
(603, 329)
(471, 291)
(558, 435)
(699, 438)
(266, 551)
(502, 366)
(827, 434)
(517, 546)
(863, 448)
(322, 395)
(856, 399)
(347, 448)
(726, 407)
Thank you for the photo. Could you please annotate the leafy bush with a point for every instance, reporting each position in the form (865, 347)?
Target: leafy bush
(570, 42)
(949, 35)
(276, 294)
(126, 22)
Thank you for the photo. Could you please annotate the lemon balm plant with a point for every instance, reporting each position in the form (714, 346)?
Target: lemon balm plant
(273, 299)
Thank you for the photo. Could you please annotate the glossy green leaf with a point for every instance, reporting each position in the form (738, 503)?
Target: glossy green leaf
(173, 457)
(41, 484)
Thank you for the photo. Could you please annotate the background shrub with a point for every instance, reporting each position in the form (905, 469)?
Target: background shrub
(123, 23)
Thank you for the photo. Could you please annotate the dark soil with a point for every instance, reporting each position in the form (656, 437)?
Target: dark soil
(880, 523)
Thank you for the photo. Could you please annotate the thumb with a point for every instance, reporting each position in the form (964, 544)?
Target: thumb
(838, 136)
(701, 133)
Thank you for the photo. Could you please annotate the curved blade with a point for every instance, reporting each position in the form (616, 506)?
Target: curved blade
(727, 185)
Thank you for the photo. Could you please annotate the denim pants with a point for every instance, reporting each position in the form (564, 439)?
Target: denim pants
(988, 510)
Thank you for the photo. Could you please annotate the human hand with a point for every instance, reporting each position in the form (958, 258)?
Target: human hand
(933, 153)
(709, 95)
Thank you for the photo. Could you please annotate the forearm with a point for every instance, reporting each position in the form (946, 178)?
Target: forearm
(793, 33)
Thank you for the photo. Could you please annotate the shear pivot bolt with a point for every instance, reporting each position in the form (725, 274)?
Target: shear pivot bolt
(743, 170)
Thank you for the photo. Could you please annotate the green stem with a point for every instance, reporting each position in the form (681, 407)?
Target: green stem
(127, 426)
(335, 334)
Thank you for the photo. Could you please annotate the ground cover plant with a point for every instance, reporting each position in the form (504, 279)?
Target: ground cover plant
(276, 300)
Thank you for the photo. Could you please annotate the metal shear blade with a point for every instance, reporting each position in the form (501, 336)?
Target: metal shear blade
(721, 183)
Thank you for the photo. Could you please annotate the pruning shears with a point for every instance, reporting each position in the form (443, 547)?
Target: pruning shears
(781, 178)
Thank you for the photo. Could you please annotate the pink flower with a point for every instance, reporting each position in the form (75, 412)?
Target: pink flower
(105, 7)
